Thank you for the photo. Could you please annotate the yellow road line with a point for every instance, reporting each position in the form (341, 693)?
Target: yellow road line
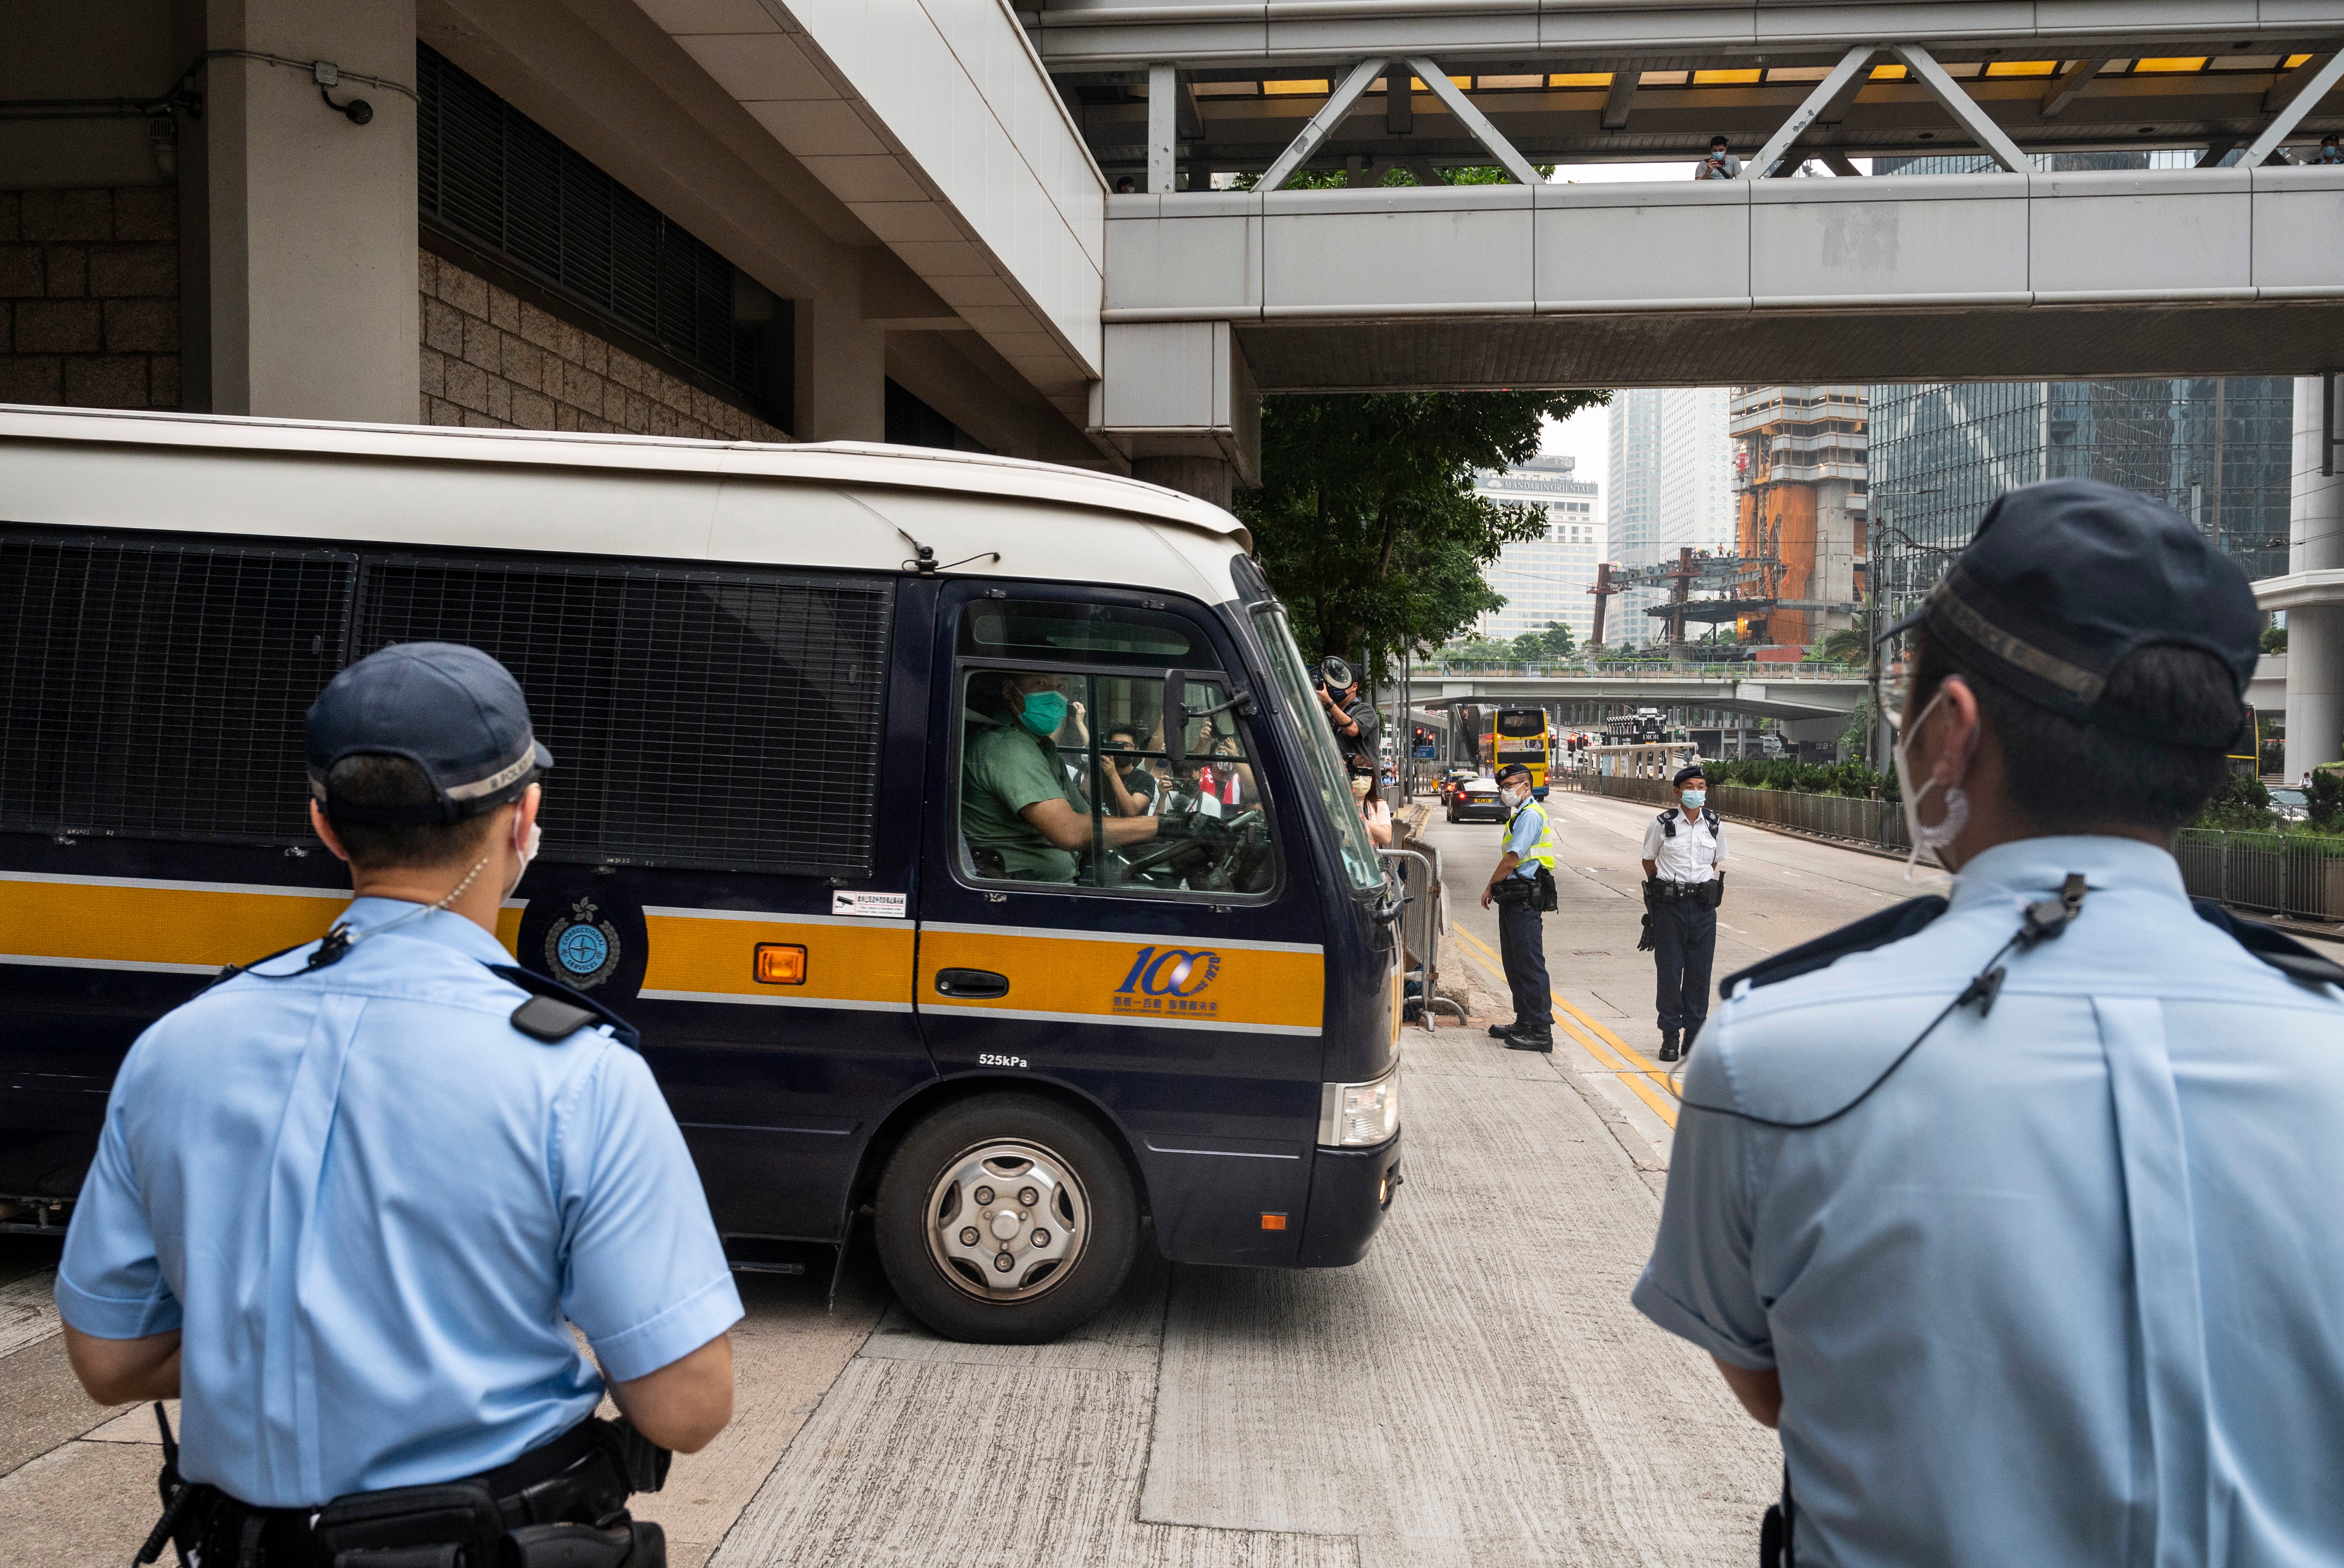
(1615, 1065)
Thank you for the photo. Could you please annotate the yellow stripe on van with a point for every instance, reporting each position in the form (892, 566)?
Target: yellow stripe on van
(715, 956)
(1165, 980)
(94, 922)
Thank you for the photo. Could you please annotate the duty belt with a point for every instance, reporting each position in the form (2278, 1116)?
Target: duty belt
(562, 1504)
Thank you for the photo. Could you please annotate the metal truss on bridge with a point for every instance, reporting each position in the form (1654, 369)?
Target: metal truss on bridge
(1276, 86)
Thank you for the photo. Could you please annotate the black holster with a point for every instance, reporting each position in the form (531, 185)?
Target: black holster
(563, 1504)
(1534, 892)
(1775, 1530)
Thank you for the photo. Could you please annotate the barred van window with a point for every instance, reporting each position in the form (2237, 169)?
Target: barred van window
(156, 690)
(696, 718)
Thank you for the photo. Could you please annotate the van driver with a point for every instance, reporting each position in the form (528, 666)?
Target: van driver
(1023, 819)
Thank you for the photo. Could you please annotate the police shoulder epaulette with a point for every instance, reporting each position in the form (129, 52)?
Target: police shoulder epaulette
(1878, 930)
(555, 1012)
(2273, 946)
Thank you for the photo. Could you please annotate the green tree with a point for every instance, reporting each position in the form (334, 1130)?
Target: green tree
(1367, 523)
(2274, 639)
(1845, 646)
(1554, 643)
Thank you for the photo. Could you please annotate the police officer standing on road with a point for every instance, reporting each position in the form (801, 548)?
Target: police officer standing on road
(348, 1201)
(1685, 854)
(2017, 1211)
(1349, 715)
(1522, 888)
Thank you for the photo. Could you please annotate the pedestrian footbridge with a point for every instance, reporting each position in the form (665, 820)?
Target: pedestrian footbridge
(1790, 693)
(1946, 275)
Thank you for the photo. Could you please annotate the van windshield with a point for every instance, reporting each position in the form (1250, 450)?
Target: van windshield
(1328, 778)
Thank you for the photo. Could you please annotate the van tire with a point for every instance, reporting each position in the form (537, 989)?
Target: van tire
(1098, 1191)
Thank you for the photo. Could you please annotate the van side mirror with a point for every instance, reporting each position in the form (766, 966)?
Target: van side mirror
(1177, 711)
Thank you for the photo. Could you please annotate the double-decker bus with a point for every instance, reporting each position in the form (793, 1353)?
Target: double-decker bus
(1519, 735)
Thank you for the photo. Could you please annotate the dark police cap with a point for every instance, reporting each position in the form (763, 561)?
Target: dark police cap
(1514, 771)
(452, 711)
(2064, 579)
(1686, 775)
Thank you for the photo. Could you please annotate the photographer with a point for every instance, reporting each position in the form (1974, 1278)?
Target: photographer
(1721, 163)
(2014, 1213)
(1351, 717)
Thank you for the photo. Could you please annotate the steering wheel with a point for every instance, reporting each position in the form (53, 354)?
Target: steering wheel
(1206, 860)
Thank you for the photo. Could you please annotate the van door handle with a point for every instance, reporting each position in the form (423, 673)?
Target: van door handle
(979, 984)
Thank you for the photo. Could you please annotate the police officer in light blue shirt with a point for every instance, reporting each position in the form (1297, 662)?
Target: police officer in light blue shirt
(1522, 885)
(2018, 1210)
(349, 1202)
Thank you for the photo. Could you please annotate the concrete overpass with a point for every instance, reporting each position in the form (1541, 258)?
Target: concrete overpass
(1951, 277)
(1771, 695)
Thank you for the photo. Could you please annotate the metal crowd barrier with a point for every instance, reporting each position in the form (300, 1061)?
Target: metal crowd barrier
(1424, 915)
(2297, 875)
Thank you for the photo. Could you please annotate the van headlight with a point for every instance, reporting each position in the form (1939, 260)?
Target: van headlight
(1358, 1116)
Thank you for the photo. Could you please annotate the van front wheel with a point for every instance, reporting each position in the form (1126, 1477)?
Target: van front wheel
(1006, 1220)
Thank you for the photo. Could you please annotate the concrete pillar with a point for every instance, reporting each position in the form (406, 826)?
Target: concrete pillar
(841, 381)
(1207, 479)
(2315, 687)
(312, 247)
(2315, 633)
(1163, 129)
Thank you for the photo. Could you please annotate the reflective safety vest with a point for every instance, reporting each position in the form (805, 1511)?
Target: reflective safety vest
(1543, 850)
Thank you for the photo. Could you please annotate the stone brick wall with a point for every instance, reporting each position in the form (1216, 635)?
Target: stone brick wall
(89, 297)
(491, 358)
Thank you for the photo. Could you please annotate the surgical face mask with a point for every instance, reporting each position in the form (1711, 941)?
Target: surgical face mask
(1926, 837)
(1043, 712)
(1694, 799)
(528, 854)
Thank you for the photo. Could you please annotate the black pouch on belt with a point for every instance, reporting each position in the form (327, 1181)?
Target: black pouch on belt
(1514, 891)
(453, 1524)
(1549, 901)
(1711, 893)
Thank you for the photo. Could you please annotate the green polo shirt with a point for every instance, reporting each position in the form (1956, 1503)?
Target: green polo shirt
(1004, 771)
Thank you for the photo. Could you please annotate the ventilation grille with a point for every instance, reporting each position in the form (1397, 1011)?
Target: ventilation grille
(695, 718)
(158, 690)
(497, 179)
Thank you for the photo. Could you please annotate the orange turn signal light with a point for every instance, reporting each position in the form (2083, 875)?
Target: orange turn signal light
(1273, 1222)
(780, 964)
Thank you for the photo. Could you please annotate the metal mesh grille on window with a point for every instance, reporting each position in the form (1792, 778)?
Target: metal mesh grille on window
(696, 718)
(159, 690)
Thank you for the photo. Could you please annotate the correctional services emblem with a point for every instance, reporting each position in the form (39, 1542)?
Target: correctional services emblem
(1166, 981)
(581, 950)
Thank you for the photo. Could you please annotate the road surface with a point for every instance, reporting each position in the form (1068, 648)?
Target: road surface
(1477, 1391)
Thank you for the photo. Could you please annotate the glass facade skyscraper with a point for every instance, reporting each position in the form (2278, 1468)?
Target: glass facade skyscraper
(2216, 450)
(1671, 483)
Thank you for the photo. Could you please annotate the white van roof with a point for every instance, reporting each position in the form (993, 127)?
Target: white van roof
(835, 504)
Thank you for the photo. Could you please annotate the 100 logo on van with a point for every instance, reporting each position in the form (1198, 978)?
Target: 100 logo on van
(1165, 980)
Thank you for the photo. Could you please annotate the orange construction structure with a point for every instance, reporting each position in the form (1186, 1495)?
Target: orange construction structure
(1800, 465)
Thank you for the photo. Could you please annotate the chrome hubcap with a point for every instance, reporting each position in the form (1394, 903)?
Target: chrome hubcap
(1006, 1220)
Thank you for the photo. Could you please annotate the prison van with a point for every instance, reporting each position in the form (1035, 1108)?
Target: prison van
(776, 681)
